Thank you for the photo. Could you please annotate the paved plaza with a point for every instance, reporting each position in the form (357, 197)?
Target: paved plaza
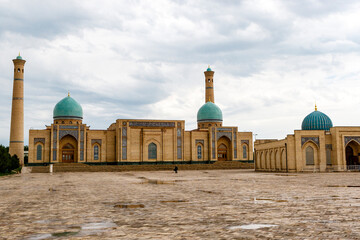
(208, 204)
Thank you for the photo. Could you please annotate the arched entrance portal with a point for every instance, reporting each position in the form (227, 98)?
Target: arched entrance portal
(68, 149)
(223, 149)
(351, 154)
(68, 153)
(222, 152)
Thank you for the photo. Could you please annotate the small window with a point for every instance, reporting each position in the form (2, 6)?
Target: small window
(152, 151)
(244, 152)
(39, 152)
(18, 69)
(209, 125)
(56, 122)
(309, 156)
(96, 152)
(208, 80)
(328, 156)
(199, 152)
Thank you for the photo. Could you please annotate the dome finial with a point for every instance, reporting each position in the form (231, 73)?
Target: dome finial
(315, 107)
(68, 93)
(19, 54)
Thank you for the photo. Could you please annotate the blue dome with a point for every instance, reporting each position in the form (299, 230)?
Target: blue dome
(316, 121)
(209, 112)
(68, 108)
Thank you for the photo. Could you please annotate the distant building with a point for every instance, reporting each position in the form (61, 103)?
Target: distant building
(318, 147)
(135, 141)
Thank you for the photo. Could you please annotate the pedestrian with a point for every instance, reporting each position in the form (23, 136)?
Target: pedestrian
(175, 169)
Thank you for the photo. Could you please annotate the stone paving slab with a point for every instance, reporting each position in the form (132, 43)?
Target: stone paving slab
(211, 204)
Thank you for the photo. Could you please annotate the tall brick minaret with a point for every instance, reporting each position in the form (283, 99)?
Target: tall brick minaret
(16, 145)
(209, 85)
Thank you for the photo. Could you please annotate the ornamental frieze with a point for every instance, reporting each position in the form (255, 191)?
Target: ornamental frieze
(151, 124)
(225, 129)
(68, 127)
(347, 139)
(313, 139)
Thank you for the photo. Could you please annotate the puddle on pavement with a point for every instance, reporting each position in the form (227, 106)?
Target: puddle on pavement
(40, 236)
(205, 191)
(83, 230)
(174, 201)
(95, 228)
(129, 205)
(343, 185)
(268, 200)
(155, 181)
(252, 226)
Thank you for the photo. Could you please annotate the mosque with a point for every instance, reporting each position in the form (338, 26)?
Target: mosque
(127, 141)
(317, 147)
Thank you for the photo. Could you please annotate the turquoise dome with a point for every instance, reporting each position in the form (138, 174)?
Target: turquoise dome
(19, 57)
(208, 69)
(68, 108)
(209, 112)
(316, 121)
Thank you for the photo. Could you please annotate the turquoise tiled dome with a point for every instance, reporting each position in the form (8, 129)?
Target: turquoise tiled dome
(316, 121)
(68, 108)
(209, 112)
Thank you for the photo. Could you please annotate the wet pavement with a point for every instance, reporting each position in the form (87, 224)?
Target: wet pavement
(212, 204)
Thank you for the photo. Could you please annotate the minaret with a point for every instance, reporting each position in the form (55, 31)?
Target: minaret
(209, 85)
(16, 145)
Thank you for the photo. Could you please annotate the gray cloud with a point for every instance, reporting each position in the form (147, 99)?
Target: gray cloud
(139, 59)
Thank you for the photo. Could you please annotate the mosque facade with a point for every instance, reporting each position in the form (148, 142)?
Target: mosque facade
(135, 141)
(317, 147)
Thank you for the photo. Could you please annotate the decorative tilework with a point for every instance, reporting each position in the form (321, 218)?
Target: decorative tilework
(245, 141)
(54, 155)
(124, 143)
(152, 124)
(42, 140)
(93, 141)
(224, 129)
(73, 133)
(347, 139)
(68, 127)
(306, 139)
(223, 134)
(213, 143)
(81, 155)
(199, 141)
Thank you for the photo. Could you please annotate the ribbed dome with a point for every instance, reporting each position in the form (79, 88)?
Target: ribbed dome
(209, 112)
(68, 108)
(316, 121)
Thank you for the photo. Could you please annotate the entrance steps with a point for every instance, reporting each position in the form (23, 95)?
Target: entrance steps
(81, 167)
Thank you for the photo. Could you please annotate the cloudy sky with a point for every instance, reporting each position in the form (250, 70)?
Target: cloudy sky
(145, 59)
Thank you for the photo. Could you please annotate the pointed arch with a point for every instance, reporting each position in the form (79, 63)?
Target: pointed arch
(152, 151)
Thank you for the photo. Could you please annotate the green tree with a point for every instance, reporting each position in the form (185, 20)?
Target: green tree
(7, 162)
